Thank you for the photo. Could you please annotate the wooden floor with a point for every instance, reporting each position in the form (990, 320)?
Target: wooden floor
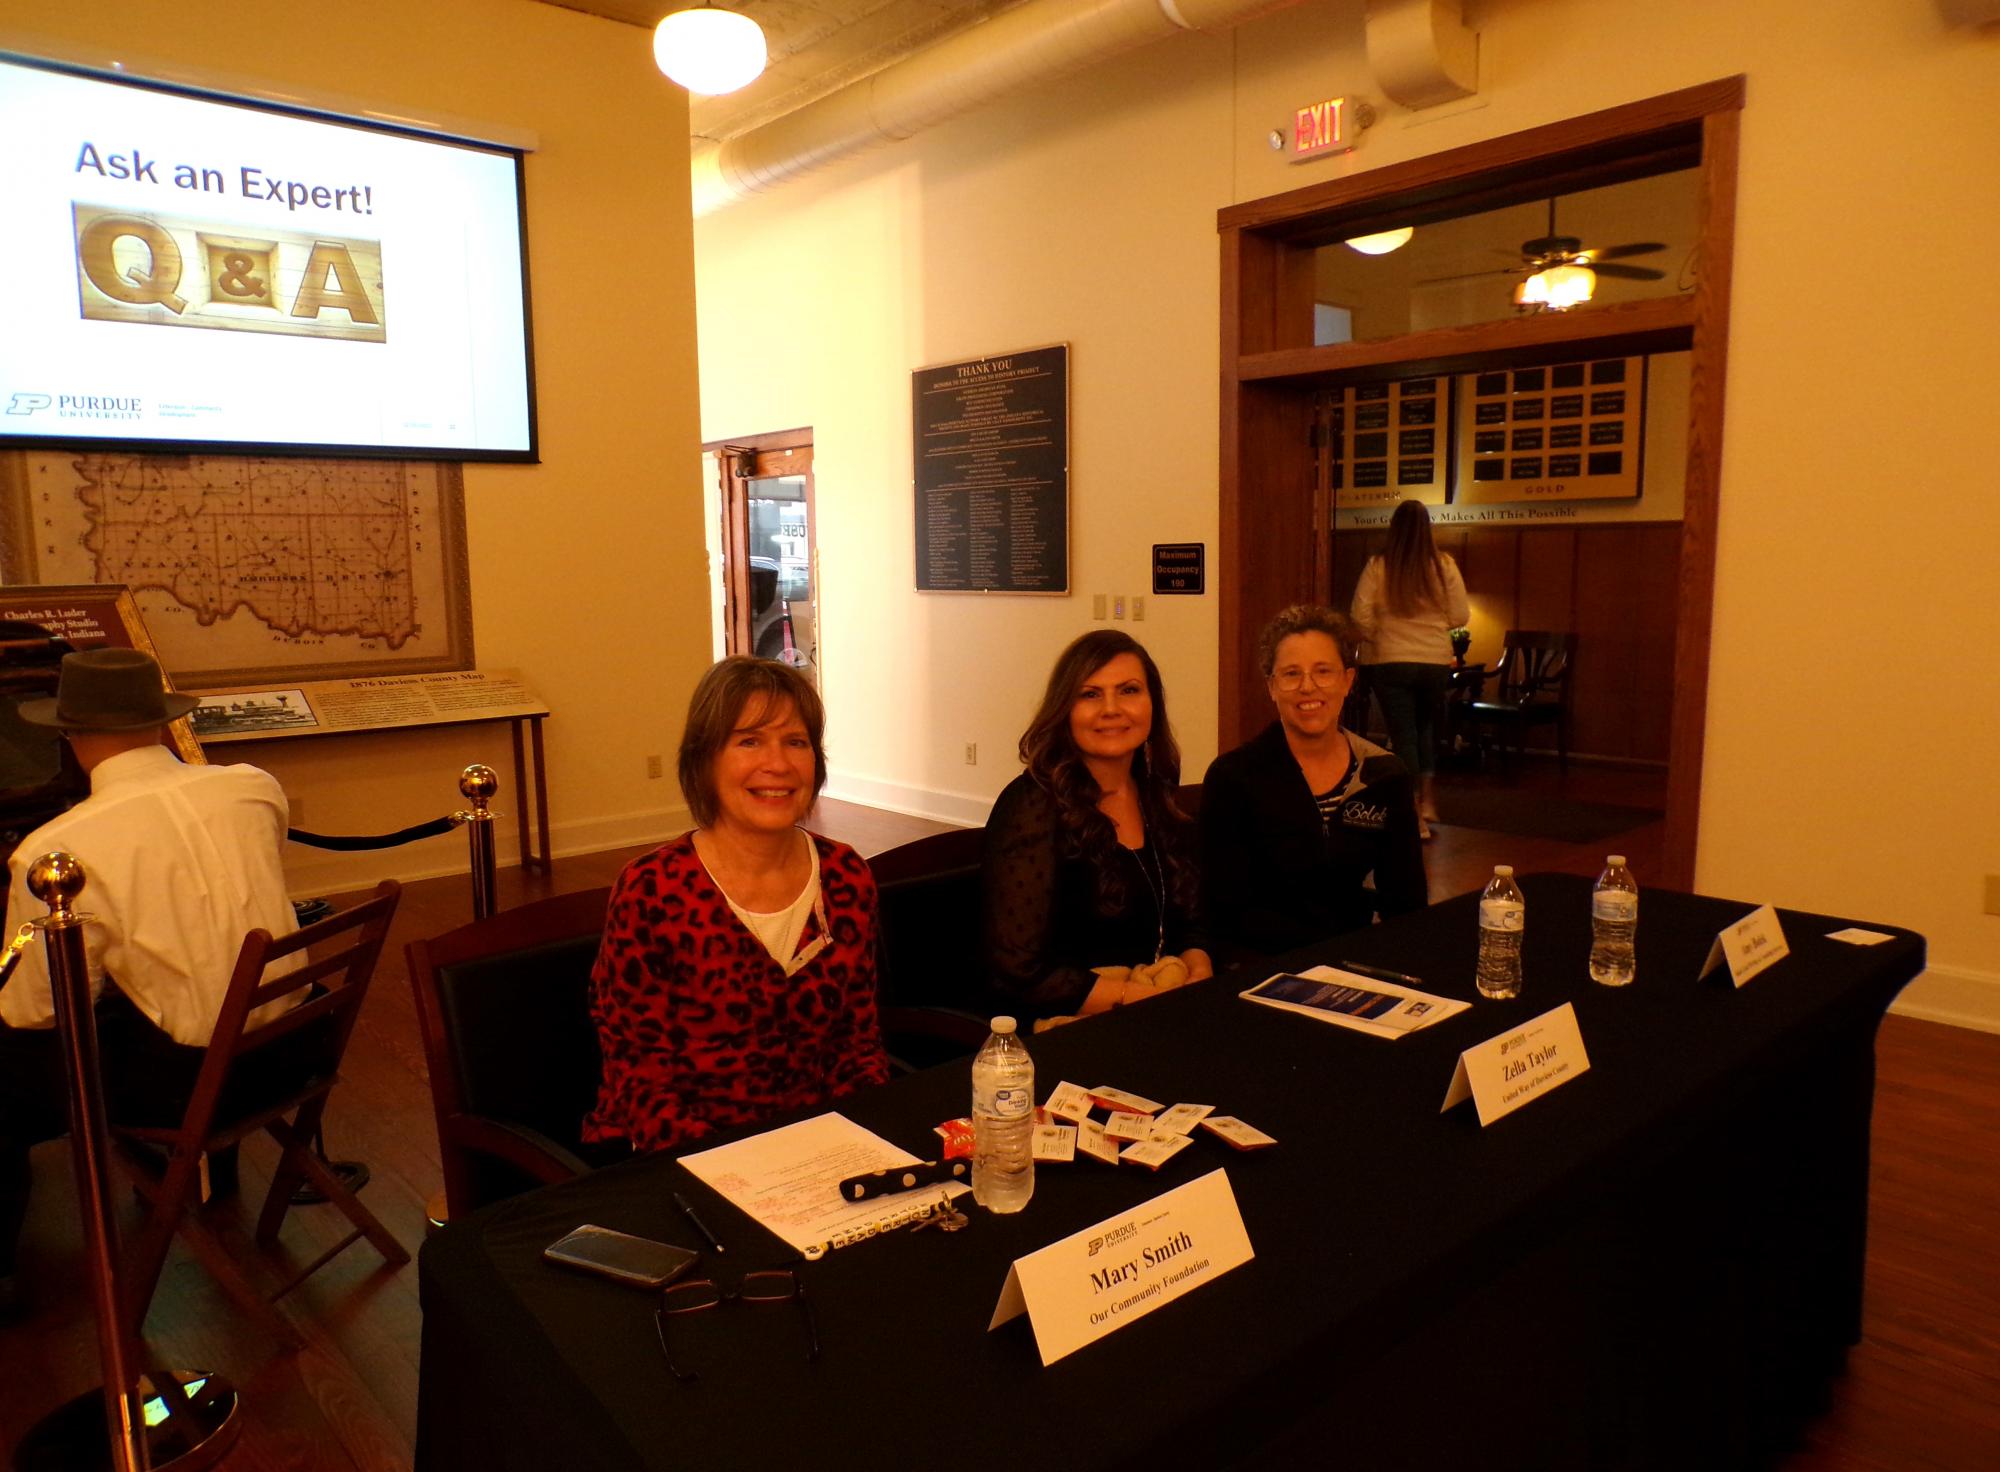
(1922, 1391)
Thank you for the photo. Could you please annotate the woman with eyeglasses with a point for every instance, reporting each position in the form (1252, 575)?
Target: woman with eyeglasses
(736, 978)
(1294, 820)
(1091, 888)
(1406, 603)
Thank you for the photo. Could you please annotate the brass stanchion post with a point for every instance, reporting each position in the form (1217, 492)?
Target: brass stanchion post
(195, 1422)
(478, 783)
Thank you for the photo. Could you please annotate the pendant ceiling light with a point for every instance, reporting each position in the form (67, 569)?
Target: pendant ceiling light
(1384, 242)
(709, 50)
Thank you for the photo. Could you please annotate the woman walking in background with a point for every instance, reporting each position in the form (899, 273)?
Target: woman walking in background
(1406, 604)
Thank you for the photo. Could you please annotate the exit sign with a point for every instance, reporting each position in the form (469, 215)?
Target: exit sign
(1322, 128)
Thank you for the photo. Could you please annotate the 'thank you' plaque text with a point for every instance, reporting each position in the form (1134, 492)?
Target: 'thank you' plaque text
(991, 457)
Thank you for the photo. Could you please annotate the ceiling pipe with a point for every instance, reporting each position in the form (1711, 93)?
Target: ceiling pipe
(1019, 48)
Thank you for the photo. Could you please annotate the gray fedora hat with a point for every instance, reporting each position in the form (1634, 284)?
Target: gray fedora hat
(108, 690)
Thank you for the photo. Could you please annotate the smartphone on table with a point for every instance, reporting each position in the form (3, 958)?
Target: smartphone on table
(638, 1262)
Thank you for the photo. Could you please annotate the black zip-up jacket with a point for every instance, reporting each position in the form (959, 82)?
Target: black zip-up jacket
(1274, 877)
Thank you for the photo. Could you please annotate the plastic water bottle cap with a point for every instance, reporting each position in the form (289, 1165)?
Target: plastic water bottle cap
(1616, 861)
(1002, 1025)
(1504, 870)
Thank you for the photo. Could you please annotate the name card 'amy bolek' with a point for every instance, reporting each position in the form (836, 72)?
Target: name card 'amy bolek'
(1098, 1280)
(1752, 945)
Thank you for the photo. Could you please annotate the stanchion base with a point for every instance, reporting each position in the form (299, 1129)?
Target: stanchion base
(352, 1174)
(189, 1428)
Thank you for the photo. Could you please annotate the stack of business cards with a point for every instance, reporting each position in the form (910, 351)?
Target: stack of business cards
(1136, 1129)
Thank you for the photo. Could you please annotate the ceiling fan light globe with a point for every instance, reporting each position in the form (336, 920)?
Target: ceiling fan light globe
(1382, 242)
(1568, 286)
(710, 51)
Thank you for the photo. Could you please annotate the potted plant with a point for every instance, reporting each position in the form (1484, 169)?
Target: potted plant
(1461, 640)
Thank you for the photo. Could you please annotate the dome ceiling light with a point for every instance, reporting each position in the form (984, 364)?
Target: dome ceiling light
(710, 50)
(1381, 243)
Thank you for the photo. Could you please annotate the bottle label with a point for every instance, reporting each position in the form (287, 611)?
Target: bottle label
(1503, 915)
(1012, 1103)
(1615, 904)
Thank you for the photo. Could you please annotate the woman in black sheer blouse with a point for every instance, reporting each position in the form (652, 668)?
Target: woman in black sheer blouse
(1091, 887)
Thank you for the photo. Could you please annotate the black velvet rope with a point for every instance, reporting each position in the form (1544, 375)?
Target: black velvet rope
(379, 840)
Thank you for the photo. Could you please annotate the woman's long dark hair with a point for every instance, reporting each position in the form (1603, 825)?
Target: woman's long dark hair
(1411, 580)
(1050, 754)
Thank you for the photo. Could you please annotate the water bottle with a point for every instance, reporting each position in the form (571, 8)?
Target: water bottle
(1614, 920)
(1503, 920)
(1003, 1121)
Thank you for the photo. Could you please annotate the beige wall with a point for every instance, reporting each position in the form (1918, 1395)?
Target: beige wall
(1848, 717)
(588, 572)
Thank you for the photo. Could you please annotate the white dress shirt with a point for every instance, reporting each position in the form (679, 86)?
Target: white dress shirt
(180, 863)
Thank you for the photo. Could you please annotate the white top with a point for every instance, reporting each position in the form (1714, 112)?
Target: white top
(1422, 637)
(180, 863)
(782, 930)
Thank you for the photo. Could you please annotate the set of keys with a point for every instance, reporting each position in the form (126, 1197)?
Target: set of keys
(945, 1216)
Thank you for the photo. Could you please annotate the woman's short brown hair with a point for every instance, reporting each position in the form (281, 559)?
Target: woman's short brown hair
(731, 690)
(1306, 618)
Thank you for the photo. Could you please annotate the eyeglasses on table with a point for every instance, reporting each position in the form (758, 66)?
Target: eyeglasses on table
(769, 1286)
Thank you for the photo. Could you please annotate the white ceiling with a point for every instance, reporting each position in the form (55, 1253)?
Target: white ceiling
(817, 47)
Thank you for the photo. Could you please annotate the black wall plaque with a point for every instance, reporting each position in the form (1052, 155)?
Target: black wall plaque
(991, 465)
(1179, 567)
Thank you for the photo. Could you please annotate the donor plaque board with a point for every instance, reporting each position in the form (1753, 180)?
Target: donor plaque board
(1568, 432)
(990, 454)
(1386, 442)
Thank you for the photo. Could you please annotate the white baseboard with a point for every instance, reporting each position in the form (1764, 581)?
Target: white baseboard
(1953, 995)
(312, 871)
(899, 797)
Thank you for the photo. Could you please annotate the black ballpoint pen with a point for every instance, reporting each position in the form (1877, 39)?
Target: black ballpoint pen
(699, 1225)
(1381, 973)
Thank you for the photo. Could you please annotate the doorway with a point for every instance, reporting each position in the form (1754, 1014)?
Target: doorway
(770, 559)
(1276, 541)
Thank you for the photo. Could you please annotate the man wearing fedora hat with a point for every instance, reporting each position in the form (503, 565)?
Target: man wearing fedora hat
(180, 862)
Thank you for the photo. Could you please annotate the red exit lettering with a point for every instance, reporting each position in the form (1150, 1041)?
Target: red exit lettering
(1319, 128)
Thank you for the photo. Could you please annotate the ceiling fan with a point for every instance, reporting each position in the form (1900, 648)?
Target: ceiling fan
(1563, 254)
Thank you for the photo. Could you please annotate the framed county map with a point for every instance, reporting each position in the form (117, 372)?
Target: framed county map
(253, 570)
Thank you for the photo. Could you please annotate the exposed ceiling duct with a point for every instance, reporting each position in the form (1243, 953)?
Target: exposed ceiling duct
(1023, 47)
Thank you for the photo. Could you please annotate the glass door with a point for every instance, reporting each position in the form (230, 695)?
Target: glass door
(770, 557)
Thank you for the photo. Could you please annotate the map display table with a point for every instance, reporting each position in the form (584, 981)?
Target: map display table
(392, 702)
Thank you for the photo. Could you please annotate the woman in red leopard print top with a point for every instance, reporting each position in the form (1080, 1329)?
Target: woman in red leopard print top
(736, 979)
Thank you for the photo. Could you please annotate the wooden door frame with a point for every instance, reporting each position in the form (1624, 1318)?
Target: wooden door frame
(1269, 367)
(766, 452)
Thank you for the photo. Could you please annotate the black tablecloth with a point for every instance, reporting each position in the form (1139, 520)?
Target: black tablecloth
(1658, 1264)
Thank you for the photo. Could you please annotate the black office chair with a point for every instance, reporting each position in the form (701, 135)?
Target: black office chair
(504, 1007)
(930, 968)
(1533, 690)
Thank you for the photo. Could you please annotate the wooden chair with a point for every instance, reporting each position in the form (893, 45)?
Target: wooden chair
(1533, 690)
(504, 1006)
(930, 967)
(275, 1078)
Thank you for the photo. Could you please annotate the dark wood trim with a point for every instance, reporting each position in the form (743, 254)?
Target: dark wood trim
(1660, 324)
(1232, 646)
(777, 439)
(1615, 132)
(1707, 376)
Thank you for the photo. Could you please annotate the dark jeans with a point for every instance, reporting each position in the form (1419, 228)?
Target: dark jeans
(1411, 696)
(147, 1080)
